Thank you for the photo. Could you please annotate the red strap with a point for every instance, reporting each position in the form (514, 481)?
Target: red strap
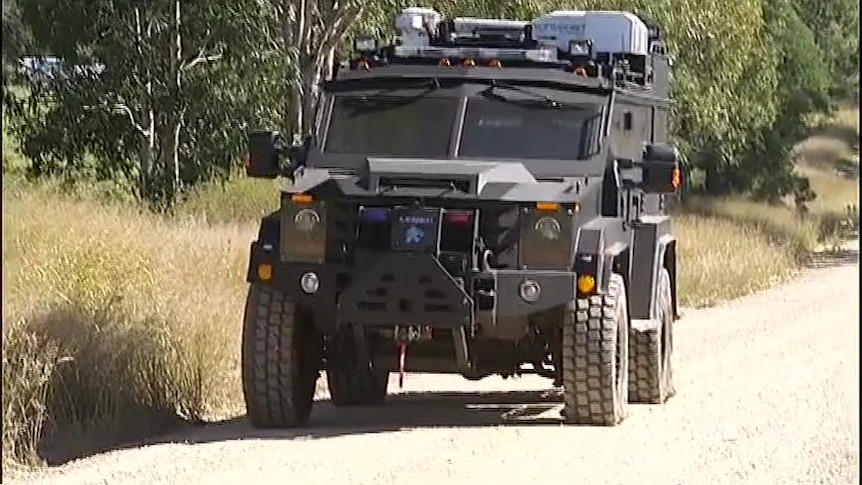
(402, 356)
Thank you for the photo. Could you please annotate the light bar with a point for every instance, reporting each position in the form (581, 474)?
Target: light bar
(542, 54)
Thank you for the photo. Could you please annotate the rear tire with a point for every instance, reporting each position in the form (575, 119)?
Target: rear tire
(650, 364)
(280, 360)
(595, 358)
(352, 383)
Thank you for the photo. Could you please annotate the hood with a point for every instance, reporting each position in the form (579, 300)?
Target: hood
(478, 180)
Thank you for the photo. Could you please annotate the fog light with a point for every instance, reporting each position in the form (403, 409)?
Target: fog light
(548, 228)
(264, 271)
(309, 282)
(586, 284)
(530, 291)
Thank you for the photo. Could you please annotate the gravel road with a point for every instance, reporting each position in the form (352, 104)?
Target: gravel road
(767, 393)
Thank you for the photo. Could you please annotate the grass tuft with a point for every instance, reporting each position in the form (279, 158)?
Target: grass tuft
(114, 313)
(721, 259)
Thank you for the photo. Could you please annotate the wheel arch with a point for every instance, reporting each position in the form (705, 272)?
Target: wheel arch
(266, 247)
(653, 248)
(603, 247)
(668, 259)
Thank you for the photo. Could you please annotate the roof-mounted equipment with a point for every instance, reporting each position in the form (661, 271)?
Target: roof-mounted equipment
(611, 44)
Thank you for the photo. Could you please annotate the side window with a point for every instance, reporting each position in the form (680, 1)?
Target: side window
(592, 136)
(627, 120)
(659, 125)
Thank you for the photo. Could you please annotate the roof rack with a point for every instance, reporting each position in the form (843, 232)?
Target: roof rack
(618, 46)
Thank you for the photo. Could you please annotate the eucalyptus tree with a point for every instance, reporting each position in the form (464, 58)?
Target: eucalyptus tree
(139, 81)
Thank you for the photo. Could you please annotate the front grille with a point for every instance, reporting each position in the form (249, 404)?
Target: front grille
(341, 230)
(425, 298)
(401, 288)
(348, 235)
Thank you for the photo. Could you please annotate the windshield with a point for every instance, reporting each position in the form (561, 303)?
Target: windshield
(395, 126)
(500, 129)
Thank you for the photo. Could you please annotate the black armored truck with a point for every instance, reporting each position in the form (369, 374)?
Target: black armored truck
(479, 197)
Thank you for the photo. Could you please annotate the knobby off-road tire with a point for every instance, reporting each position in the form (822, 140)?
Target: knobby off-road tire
(650, 364)
(352, 383)
(280, 360)
(595, 358)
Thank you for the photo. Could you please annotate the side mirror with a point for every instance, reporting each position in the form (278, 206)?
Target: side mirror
(661, 172)
(264, 154)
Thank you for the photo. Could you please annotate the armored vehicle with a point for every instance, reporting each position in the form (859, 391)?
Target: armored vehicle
(480, 197)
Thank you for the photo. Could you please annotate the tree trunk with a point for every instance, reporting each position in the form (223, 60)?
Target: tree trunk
(147, 153)
(147, 123)
(311, 81)
(169, 143)
(171, 138)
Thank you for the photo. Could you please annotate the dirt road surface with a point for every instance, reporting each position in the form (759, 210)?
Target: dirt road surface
(767, 387)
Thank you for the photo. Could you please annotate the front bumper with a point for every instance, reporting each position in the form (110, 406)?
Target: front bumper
(414, 289)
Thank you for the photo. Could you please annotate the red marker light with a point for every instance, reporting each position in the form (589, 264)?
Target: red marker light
(459, 218)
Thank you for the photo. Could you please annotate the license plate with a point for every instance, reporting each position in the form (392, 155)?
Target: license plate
(416, 230)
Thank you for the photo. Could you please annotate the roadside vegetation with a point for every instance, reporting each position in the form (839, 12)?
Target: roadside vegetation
(119, 322)
(124, 253)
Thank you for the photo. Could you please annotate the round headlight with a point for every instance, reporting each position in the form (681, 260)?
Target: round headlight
(529, 291)
(548, 228)
(309, 282)
(306, 220)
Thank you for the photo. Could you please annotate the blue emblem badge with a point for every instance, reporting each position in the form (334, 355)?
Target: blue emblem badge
(413, 235)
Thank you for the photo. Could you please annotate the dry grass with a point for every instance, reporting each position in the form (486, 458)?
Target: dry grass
(114, 313)
(830, 161)
(241, 199)
(782, 225)
(721, 259)
(825, 152)
(110, 313)
(113, 317)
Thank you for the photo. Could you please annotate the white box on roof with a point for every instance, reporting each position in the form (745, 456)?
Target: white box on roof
(412, 22)
(610, 31)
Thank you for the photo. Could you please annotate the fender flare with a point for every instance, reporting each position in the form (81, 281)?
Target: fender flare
(267, 246)
(666, 259)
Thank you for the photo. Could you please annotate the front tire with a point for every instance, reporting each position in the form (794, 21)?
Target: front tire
(595, 358)
(650, 366)
(280, 360)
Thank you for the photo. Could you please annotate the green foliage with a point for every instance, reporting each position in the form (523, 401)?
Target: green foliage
(16, 37)
(118, 123)
(746, 76)
(835, 25)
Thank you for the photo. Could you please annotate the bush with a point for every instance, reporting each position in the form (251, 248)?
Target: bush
(113, 313)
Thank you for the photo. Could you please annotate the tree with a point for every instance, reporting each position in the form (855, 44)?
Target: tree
(135, 72)
(804, 87)
(313, 31)
(835, 27)
(15, 35)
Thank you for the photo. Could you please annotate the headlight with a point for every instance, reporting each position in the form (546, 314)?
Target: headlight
(303, 230)
(306, 220)
(547, 236)
(548, 228)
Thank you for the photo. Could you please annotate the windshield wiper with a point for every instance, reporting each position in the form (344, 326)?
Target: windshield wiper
(380, 100)
(537, 100)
